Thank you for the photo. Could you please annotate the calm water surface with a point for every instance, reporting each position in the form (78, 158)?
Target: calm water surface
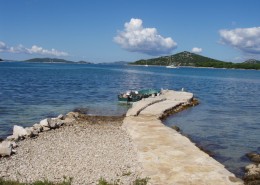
(226, 122)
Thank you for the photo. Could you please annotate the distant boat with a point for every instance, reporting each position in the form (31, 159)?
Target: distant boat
(171, 66)
(146, 65)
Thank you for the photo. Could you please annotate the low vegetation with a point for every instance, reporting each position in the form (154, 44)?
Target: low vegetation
(68, 181)
(138, 181)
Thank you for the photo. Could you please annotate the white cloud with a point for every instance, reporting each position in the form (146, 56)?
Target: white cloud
(196, 50)
(3, 46)
(39, 50)
(136, 38)
(33, 50)
(244, 39)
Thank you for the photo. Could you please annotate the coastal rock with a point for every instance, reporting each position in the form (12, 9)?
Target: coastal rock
(174, 127)
(61, 117)
(45, 122)
(55, 123)
(5, 148)
(29, 131)
(37, 127)
(252, 176)
(19, 132)
(254, 157)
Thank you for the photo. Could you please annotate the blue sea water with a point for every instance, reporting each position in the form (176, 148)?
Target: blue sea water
(226, 122)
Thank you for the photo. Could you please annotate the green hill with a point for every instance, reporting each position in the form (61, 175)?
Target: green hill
(190, 59)
(54, 60)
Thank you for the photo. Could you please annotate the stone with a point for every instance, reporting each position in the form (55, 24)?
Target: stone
(37, 127)
(45, 122)
(19, 132)
(29, 131)
(53, 123)
(5, 148)
(60, 117)
(252, 176)
(174, 127)
(254, 157)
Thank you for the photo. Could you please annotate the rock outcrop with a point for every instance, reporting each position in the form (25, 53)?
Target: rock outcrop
(252, 175)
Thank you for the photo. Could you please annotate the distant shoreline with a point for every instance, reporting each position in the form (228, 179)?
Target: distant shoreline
(192, 67)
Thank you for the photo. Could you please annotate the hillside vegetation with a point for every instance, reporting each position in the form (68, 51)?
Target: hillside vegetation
(54, 60)
(190, 59)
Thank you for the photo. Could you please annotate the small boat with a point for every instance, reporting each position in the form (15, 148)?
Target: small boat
(171, 66)
(134, 96)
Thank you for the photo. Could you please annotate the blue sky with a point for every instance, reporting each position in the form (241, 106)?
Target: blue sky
(128, 30)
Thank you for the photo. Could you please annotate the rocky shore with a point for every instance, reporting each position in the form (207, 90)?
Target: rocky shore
(85, 148)
(252, 176)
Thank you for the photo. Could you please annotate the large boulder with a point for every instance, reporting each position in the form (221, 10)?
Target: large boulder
(53, 123)
(19, 132)
(45, 122)
(6, 148)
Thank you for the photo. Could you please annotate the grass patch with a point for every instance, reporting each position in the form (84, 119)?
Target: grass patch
(138, 181)
(66, 181)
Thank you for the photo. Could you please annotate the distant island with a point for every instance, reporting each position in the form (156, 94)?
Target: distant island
(194, 60)
(54, 60)
(116, 63)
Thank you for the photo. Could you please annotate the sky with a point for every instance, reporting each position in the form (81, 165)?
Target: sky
(129, 30)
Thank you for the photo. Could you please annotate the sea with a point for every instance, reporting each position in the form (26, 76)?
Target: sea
(226, 123)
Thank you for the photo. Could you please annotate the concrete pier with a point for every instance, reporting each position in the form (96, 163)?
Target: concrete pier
(167, 157)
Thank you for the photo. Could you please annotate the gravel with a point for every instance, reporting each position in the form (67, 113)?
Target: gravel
(86, 150)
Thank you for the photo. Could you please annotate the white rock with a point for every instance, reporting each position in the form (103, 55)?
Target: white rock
(37, 127)
(19, 131)
(44, 122)
(5, 148)
(53, 123)
(60, 116)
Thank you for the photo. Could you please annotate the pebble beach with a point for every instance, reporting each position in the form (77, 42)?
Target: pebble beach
(86, 149)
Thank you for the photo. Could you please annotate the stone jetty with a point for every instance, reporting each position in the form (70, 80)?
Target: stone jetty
(166, 156)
